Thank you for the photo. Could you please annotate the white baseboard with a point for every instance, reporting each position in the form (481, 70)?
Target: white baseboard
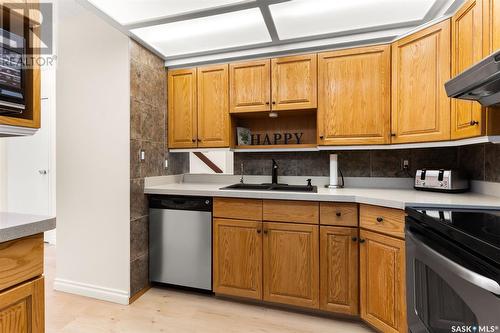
(88, 290)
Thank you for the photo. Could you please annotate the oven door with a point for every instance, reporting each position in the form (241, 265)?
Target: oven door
(442, 294)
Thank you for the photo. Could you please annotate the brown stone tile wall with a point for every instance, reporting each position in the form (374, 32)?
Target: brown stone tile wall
(480, 162)
(147, 132)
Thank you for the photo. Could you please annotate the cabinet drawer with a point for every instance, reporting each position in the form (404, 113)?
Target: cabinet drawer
(22, 308)
(232, 208)
(291, 211)
(384, 220)
(20, 260)
(339, 214)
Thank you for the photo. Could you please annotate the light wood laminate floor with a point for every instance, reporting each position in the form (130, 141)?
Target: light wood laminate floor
(161, 310)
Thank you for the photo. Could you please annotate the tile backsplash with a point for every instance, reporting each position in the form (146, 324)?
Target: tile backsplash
(480, 162)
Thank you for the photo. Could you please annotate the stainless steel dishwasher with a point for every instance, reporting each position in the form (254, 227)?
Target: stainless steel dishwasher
(180, 241)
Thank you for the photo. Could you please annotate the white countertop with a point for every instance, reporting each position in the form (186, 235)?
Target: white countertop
(392, 198)
(15, 226)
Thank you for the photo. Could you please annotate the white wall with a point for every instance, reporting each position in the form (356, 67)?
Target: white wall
(223, 159)
(93, 156)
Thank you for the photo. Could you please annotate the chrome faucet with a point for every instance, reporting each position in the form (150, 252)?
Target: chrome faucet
(275, 173)
(241, 172)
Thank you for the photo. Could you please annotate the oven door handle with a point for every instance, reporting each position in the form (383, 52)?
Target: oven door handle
(466, 274)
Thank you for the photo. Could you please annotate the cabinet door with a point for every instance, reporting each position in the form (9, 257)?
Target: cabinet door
(181, 101)
(467, 117)
(294, 82)
(250, 86)
(291, 264)
(382, 282)
(237, 258)
(339, 270)
(354, 99)
(421, 66)
(494, 26)
(22, 308)
(213, 106)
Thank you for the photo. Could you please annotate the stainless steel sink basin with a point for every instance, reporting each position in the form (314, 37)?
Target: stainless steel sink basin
(272, 187)
(240, 186)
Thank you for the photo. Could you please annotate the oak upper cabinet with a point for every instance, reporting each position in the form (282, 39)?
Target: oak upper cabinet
(339, 270)
(294, 82)
(291, 264)
(467, 117)
(213, 106)
(182, 113)
(493, 26)
(250, 86)
(382, 282)
(421, 66)
(237, 253)
(354, 103)
(23, 308)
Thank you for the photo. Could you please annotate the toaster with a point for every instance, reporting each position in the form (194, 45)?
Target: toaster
(449, 181)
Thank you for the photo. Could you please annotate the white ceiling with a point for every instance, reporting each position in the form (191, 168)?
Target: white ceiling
(194, 31)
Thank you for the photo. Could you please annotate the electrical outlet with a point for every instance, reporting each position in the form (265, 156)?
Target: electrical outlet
(405, 165)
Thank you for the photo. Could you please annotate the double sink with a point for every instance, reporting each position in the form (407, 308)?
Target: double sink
(272, 187)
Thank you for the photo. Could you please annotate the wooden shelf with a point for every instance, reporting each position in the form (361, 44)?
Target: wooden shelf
(306, 145)
(276, 148)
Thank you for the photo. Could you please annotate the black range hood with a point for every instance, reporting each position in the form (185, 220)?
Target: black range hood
(480, 82)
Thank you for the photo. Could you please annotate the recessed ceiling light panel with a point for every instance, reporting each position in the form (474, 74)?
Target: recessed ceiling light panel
(303, 18)
(134, 11)
(241, 28)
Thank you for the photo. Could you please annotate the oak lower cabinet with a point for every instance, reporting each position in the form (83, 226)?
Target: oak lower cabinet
(22, 285)
(237, 253)
(291, 264)
(421, 65)
(382, 281)
(339, 255)
(22, 308)
(354, 96)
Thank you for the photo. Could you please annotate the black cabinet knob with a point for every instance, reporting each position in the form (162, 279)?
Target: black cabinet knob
(380, 219)
(355, 239)
(321, 137)
(362, 241)
(339, 214)
(259, 231)
(474, 122)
